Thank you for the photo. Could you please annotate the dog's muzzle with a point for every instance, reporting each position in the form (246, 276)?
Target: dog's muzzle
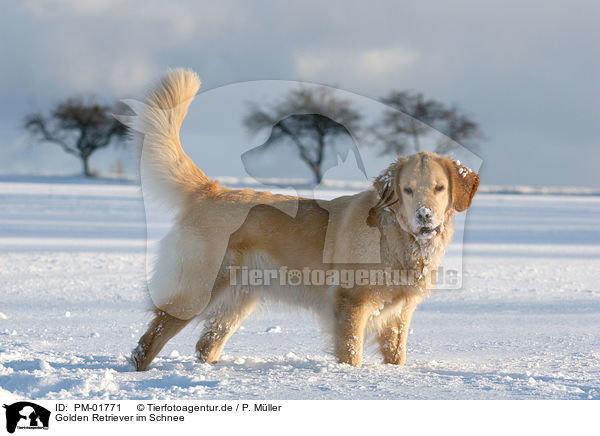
(430, 231)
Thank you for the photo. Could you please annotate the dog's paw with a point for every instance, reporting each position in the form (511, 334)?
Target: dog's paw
(138, 358)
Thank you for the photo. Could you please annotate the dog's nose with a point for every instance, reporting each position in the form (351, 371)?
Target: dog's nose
(424, 214)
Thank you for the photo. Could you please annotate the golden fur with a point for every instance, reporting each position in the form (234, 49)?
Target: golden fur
(217, 228)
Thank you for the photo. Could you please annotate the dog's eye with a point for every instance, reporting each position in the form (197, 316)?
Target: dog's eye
(408, 191)
(439, 188)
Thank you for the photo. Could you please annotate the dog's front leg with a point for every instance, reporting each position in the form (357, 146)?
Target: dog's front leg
(352, 315)
(392, 339)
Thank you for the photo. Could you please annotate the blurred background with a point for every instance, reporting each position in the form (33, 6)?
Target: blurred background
(524, 76)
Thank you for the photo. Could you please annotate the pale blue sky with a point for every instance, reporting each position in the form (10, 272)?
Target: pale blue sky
(528, 72)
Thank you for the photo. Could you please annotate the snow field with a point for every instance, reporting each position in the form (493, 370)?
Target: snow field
(72, 268)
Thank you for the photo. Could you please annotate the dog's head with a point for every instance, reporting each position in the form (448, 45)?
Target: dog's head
(422, 189)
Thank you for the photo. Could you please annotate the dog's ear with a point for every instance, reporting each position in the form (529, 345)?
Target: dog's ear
(464, 182)
(386, 186)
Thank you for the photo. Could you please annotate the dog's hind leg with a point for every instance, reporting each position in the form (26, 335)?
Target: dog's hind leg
(162, 328)
(219, 329)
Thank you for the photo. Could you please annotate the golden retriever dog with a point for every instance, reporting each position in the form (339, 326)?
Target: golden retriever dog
(362, 262)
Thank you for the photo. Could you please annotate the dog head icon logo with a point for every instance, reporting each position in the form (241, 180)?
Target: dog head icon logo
(26, 415)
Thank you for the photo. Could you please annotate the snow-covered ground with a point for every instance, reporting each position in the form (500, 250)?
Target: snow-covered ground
(526, 324)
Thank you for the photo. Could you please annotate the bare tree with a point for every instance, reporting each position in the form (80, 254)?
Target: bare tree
(310, 118)
(413, 117)
(79, 126)
(459, 128)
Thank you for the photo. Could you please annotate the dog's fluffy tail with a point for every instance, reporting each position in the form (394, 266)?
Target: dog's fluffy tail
(167, 173)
